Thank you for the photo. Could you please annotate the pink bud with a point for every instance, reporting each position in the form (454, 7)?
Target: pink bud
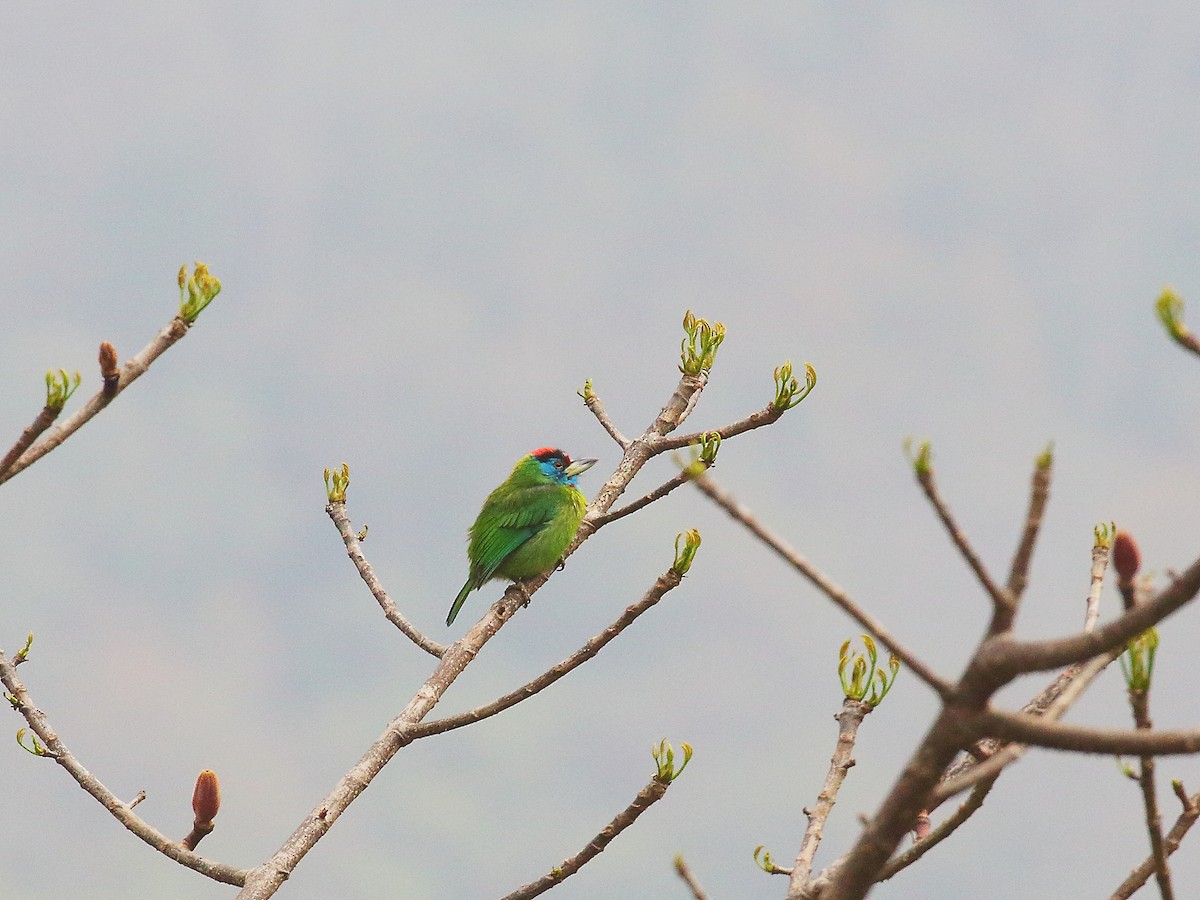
(1126, 557)
(922, 826)
(206, 798)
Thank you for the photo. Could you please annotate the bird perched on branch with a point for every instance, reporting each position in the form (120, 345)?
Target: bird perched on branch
(526, 523)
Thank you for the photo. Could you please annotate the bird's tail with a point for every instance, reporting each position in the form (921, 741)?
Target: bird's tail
(458, 601)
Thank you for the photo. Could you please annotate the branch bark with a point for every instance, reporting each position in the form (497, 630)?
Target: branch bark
(666, 582)
(337, 512)
(133, 369)
(743, 515)
(1139, 701)
(122, 812)
(1171, 842)
(849, 719)
(647, 797)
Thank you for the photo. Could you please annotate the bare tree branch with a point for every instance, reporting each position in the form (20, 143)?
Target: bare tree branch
(1004, 606)
(1039, 494)
(1016, 657)
(958, 779)
(337, 512)
(1171, 842)
(657, 494)
(1040, 703)
(849, 719)
(1101, 550)
(597, 409)
(766, 416)
(1139, 700)
(122, 812)
(963, 720)
(666, 582)
(130, 372)
(1042, 732)
(654, 791)
(681, 868)
(945, 828)
(742, 514)
(41, 422)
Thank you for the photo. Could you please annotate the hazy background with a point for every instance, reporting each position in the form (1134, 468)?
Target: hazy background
(432, 225)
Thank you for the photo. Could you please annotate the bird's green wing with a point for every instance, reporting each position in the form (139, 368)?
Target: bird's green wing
(506, 522)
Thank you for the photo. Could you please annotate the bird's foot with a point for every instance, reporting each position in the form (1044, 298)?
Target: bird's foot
(562, 564)
(522, 595)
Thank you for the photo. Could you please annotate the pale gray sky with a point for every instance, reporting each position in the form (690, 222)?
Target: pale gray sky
(432, 225)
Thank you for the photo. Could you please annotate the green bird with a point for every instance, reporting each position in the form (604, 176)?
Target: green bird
(526, 523)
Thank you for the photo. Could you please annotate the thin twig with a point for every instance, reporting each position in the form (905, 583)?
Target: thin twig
(1171, 842)
(1139, 701)
(1101, 551)
(666, 582)
(657, 494)
(130, 372)
(1003, 605)
(121, 811)
(1039, 493)
(849, 719)
(337, 512)
(766, 416)
(597, 409)
(945, 828)
(654, 791)
(43, 420)
(742, 514)
(681, 868)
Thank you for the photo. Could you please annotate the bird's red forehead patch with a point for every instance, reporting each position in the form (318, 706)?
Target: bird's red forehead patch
(544, 453)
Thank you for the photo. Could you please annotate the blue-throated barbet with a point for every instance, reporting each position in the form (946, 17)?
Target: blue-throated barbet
(526, 523)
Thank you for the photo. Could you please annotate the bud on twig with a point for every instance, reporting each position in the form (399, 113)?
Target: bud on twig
(206, 800)
(1126, 556)
(109, 371)
(1126, 559)
(922, 826)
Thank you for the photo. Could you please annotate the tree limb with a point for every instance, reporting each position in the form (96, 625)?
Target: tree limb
(681, 868)
(766, 416)
(597, 409)
(1139, 700)
(945, 828)
(122, 812)
(849, 719)
(1039, 494)
(1012, 658)
(41, 422)
(337, 512)
(742, 514)
(1042, 732)
(1004, 605)
(1171, 842)
(654, 791)
(131, 371)
(666, 582)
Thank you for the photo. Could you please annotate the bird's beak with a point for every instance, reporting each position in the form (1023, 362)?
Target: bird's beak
(579, 465)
